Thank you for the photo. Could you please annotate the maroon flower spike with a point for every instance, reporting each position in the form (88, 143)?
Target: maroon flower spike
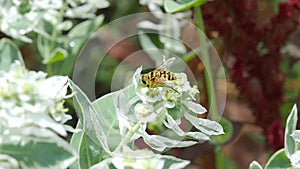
(254, 39)
(275, 136)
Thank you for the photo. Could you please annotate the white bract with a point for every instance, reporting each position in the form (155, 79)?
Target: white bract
(28, 98)
(141, 159)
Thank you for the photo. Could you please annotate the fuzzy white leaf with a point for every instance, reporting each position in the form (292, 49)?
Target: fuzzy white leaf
(290, 145)
(8, 162)
(176, 163)
(296, 135)
(255, 165)
(295, 159)
(103, 164)
(205, 125)
(194, 107)
(161, 143)
(149, 25)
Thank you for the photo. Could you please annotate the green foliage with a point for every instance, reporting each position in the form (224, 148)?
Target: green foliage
(73, 43)
(9, 52)
(37, 148)
(288, 157)
(222, 161)
(278, 160)
(228, 130)
(110, 124)
(255, 165)
(290, 144)
(172, 6)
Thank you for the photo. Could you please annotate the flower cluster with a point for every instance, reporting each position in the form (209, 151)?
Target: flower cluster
(28, 98)
(18, 17)
(140, 159)
(169, 104)
(156, 100)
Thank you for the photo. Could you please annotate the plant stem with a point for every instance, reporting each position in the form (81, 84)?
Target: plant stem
(208, 74)
(219, 157)
(50, 69)
(190, 55)
(54, 36)
(128, 136)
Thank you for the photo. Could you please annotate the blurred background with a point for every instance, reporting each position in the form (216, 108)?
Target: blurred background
(258, 43)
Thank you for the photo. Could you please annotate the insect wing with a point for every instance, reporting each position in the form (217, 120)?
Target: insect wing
(167, 63)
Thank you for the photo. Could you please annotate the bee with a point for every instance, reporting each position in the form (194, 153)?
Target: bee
(159, 77)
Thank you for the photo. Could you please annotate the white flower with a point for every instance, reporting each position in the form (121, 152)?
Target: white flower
(145, 112)
(29, 98)
(138, 159)
(295, 159)
(19, 17)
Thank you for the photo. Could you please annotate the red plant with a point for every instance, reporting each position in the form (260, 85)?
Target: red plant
(253, 36)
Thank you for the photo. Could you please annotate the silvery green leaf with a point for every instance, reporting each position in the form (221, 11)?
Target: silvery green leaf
(172, 44)
(105, 164)
(295, 159)
(290, 144)
(43, 120)
(65, 25)
(136, 76)
(57, 54)
(145, 2)
(200, 137)
(43, 46)
(150, 48)
(75, 143)
(124, 101)
(75, 40)
(90, 153)
(172, 124)
(71, 129)
(279, 160)
(83, 11)
(171, 27)
(255, 165)
(107, 107)
(173, 162)
(161, 143)
(149, 25)
(8, 162)
(206, 126)
(155, 10)
(86, 10)
(89, 117)
(194, 107)
(182, 15)
(99, 3)
(9, 52)
(296, 135)
(36, 143)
